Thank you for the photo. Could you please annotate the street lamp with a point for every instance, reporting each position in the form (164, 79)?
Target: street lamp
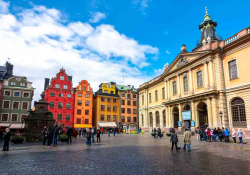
(221, 118)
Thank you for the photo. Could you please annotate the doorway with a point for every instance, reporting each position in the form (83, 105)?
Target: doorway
(202, 112)
(176, 116)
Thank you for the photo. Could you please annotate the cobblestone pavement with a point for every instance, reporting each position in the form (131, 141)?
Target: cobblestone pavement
(126, 154)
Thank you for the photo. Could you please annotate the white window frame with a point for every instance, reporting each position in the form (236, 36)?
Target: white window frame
(61, 77)
(69, 95)
(57, 87)
(26, 92)
(87, 95)
(65, 85)
(6, 95)
(79, 95)
(3, 104)
(23, 84)
(84, 88)
(14, 83)
(21, 116)
(11, 117)
(19, 94)
(28, 105)
(7, 118)
(238, 74)
(202, 75)
(13, 104)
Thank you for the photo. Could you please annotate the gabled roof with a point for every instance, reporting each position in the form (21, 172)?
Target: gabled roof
(126, 88)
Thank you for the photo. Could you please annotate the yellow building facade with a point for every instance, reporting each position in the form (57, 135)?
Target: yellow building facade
(209, 86)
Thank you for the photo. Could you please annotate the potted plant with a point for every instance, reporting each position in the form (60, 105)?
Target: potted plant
(168, 134)
(63, 138)
(17, 139)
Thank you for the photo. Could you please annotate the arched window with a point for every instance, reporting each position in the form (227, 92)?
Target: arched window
(199, 79)
(142, 120)
(174, 88)
(157, 116)
(238, 112)
(164, 118)
(185, 84)
(151, 119)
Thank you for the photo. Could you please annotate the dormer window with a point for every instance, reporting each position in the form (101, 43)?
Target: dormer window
(22, 84)
(61, 77)
(108, 85)
(12, 83)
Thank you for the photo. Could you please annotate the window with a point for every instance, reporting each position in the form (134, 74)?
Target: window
(51, 104)
(26, 94)
(112, 92)
(5, 117)
(79, 95)
(123, 119)
(157, 116)
(185, 84)
(108, 108)
(128, 96)
(52, 94)
(102, 117)
(60, 95)
(16, 94)
(134, 103)
(79, 111)
(123, 110)
(22, 84)
(108, 85)
(102, 99)
(12, 83)
(25, 105)
(128, 110)
(199, 79)
(134, 111)
(86, 103)
(150, 98)
(129, 102)
(163, 93)
(59, 117)
(14, 117)
(232, 69)
(60, 105)
(156, 95)
(86, 112)
(114, 108)
(114, 117)
(68, 106)
(151, 119)
(174, 88)
(86, 121)
(65, 86)
(123, 102)
(84, 88)
(164, 118)
(57, 85)
(114, 100)
(78, 121)
(79, 102)
(109, 117)
(7, 93)
(6, 104)
(134, 119)
(143, 100)
(134, 96)
(69, 95)
(142, 120)
(108, 99)
(67, 117)
(128, 119)
(87, 95)
(15, 105)
(102, 107)
(61, 77)
(23, 117)
(123, 94)
(105, 91)
(238, 112)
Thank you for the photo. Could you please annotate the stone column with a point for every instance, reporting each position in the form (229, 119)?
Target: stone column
(166, 94)
(206, 76)
(193, 115)
(209, 113)
(197, 118)
(190, 81)
(154, 119)
(161, 119)
(215, 113)
(169, 89)
(167, 117)
(194, 81)
(178, 86)
(170, 117)
(180, 116)
(211, 74)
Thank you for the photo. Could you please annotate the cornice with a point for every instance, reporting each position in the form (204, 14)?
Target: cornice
(236, 49)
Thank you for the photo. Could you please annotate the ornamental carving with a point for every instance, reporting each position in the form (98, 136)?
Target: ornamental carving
(182, 62)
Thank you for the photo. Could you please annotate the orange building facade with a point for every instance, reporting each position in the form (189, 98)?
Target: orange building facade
(83, 105)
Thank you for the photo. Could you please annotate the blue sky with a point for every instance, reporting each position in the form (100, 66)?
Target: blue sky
(153, 30)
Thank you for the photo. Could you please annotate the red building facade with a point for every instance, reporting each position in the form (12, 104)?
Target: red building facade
(60, 96)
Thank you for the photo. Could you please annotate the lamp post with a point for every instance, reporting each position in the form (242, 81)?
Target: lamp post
(221, 114)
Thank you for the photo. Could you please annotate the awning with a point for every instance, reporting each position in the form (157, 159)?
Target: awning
(4, 125)
(13, 126)
(107, 124)
(82, 126)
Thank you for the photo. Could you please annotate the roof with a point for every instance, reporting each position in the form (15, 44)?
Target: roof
(125, 88)
(99, 92)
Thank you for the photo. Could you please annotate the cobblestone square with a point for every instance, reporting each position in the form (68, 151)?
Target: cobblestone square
(126, 154)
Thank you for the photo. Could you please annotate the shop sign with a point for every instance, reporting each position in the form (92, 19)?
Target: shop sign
(186, 115)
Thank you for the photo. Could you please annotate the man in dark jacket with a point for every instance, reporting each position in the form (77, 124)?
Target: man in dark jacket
(174, 140)
(88, 136)
(69, 134)
(56, 131)
(6, 139)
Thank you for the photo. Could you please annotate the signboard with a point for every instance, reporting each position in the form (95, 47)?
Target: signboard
(186, 115)
(179, 123)
(192, 123)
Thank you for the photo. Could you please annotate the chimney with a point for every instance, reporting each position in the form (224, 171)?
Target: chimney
(46, 83)
(129, 85)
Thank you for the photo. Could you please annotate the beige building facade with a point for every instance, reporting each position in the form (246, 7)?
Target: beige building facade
(208, 86)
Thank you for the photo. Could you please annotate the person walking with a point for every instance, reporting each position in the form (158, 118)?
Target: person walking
(102, 130)
(159, 133)
(114, 131)
(240, 134)
(187, 140)
(215, 134)
(84, 133)
(98, 134)
(234, 135)
(93, 134)
(227, 133)
(50, 137)
(200, 133)
(80, 132)
(88, 137)
(108, 132)
(220, 134)
(174, 140)
(55, 138)
(203, 134)
(6, 139)
(44, 135)
(69, 133)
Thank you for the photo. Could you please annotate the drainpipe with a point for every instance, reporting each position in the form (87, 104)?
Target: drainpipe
(224, 84)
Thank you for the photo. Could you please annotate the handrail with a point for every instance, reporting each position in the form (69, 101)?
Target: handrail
(231, 39)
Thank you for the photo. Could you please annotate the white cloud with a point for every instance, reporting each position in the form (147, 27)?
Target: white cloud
(4, 6)
(97, 16)
(167, 52)
(143, 5)
(39, 43)
(158, 72)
